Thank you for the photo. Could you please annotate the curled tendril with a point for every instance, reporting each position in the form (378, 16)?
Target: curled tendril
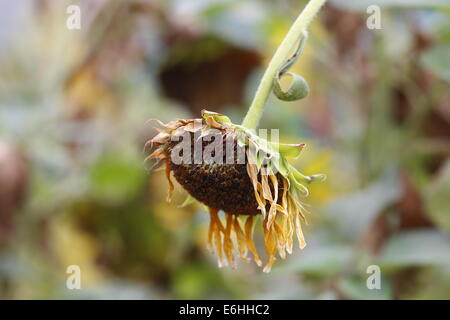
(298, 87)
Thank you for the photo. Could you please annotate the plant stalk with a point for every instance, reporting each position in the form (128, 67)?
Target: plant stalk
(294, 34)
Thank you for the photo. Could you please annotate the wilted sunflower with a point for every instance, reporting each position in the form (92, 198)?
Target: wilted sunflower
(229, 168)
(245, 177)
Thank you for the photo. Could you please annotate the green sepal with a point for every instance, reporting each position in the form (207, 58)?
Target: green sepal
(289, 150)
(297, 185)
(217, 116)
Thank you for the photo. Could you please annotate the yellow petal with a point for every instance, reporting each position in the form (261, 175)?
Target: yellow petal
(171, 187)
(250, 243)
(242, 245)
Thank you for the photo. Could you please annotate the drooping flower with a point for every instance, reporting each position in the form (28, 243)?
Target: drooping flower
(229, 168)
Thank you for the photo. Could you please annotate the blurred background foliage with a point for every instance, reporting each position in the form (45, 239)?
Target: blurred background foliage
(73, 111)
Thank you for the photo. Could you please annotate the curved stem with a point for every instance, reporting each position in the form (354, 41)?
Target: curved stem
(300, 25)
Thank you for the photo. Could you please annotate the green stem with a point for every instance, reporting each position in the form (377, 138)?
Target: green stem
(300, 25)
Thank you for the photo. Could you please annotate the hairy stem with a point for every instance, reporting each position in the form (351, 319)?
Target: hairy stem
(294, 34)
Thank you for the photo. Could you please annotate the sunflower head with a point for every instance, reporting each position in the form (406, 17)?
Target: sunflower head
(231, 169)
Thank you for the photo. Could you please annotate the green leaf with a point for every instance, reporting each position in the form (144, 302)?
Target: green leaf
(437, 199)
(353, 213)
(436, 59)
(319, 261)
(355, 287)
(116, 177)
(416, 248)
